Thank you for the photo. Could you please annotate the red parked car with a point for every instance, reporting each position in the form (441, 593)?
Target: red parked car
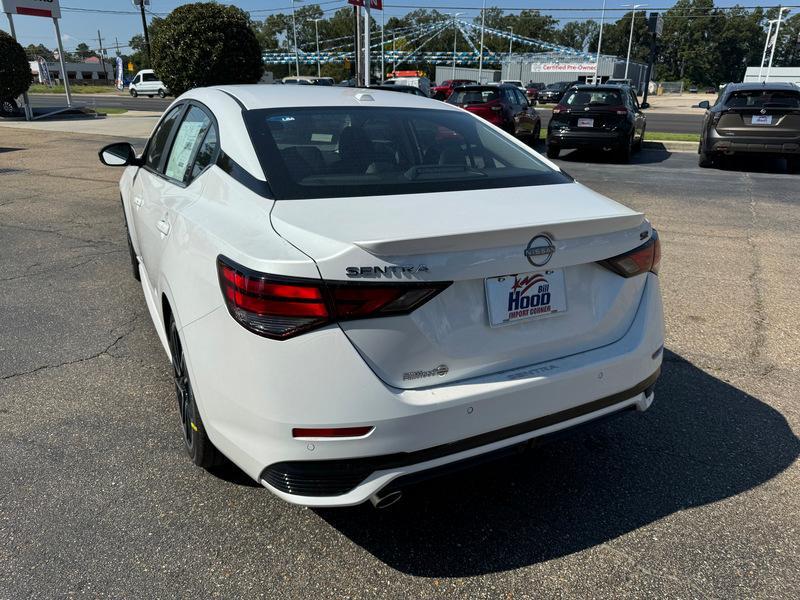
(502, 105)
(443, 91)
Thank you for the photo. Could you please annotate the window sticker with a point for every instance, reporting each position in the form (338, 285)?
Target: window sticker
(187, 138)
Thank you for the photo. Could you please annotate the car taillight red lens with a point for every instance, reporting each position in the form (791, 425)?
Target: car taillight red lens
(559, 108)
(330, 432)
(282, 307)
(646, 257)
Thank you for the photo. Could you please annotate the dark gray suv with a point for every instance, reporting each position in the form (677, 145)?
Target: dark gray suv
(752, 118)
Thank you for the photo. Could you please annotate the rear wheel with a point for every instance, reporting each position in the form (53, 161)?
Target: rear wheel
(200, 449)
(638, 145)
(552, 151)
(134, 93)
(161, 93)
(537, 132)
(624, 153)
(705, 160)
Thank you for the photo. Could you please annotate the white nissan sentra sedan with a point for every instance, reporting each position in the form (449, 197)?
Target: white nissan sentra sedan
(359, 289)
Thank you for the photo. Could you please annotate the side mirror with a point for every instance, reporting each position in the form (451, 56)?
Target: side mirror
(704, 104)
(118, 154)
(644, 105)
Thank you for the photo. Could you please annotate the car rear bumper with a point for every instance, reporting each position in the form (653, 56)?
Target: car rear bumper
(250, 402)
(587, 139)
(723, 144)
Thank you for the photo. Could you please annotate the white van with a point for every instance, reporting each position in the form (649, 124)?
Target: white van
(147, 83)
(422, 83)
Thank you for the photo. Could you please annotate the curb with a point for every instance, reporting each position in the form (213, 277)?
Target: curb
(669, 145)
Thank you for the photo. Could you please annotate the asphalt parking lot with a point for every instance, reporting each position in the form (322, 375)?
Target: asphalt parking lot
(698, 497)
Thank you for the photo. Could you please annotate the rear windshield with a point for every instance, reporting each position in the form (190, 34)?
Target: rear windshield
(557, 86)
(599, 97)
(764, 99)
(369, 151)
(474, 96)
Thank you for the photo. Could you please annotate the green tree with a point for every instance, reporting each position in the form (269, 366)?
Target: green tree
(82, 51)
(581, 35)
(205, 44)
(32, 52)
(15, 72)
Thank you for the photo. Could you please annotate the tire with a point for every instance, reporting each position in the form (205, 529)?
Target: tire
(161, 93)
(704, 160)
(793, 164)
(134, 261)
(537, 132)
(8, 107)
(134, 93)
(624, 153)
(552, 151)
(637, 147)
(200, 449)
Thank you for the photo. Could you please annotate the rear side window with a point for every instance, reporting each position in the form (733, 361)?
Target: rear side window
(149, 77)
(207, 152)
(764, 99)
(600, 97)
(474, 96)
(369, 151)
(190, 136)
(158, 142)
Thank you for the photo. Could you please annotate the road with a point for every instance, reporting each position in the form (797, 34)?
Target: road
(697, 497)
(672, 123)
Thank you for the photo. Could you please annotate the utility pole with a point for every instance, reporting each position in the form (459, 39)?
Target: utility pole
(781, 10)
(654, 25)
(480, 58)
(316, 31)
(455, 39)
(102, 54)
(294, 34)
(599, 41)
(367, 24)
(146, 35)
(764, 54)
(359, 57)
(630, 38)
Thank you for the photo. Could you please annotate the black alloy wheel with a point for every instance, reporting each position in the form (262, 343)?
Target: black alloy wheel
(199, 447)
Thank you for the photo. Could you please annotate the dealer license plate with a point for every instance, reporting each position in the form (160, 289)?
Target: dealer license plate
(585, 122)
(761, 120)
(513, 298)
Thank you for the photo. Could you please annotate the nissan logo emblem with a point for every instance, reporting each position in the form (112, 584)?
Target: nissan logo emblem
(540, 250)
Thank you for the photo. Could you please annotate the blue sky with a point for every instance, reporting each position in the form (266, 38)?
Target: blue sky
(77, 26)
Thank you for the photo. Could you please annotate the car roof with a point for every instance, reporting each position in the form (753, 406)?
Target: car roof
(256, 96)
(755, 86)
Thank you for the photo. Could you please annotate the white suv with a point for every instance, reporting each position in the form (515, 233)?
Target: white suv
(147, 83)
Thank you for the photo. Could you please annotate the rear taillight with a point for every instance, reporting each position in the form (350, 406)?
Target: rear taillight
(646, 257)
(282, 307)
(331, 432)
(621, 111)
(559, 108)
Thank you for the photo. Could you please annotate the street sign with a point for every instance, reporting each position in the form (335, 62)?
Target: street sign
(32, 8)
(373, 4)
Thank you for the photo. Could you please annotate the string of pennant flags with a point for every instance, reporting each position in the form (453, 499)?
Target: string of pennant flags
(430, 31)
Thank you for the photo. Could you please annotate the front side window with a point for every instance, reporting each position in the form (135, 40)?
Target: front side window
(158, 142)
(187, 141)
(367, 151)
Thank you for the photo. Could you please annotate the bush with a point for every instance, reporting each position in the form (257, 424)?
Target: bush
(204, 44)
(15, 72)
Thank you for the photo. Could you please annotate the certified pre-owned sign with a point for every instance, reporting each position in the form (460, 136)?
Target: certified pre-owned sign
(33, 8)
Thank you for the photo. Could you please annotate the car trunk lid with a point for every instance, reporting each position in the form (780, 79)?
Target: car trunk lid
(464, 238)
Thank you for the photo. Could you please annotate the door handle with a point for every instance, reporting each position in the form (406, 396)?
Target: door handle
(137, 200)
(163, 226)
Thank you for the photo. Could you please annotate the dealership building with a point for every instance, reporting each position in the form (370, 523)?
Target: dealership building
(552, 67)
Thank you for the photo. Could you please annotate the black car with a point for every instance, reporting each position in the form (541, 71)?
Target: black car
(555, 91)
(752, 118)
(605, 117)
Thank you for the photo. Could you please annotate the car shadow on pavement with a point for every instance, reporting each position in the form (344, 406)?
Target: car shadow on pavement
(643, 157)
(754, 164)
(702, 441)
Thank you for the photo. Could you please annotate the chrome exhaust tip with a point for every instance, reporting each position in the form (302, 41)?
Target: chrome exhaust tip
(385, 500)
